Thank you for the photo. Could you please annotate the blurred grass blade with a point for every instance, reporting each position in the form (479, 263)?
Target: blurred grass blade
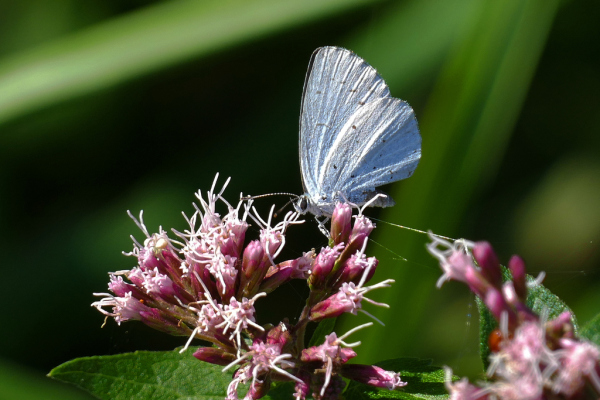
(144, 41)
(465, 129)
(409, 41)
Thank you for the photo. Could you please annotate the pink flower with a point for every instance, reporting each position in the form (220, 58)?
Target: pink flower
(580, 363)
(348, 299)
(330, 356)
(323, 265)
(462, 389)
(455, 259)
(373, 375)
(123, 308)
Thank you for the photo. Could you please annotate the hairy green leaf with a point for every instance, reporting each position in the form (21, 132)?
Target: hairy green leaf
(591, 330)
(145, 375)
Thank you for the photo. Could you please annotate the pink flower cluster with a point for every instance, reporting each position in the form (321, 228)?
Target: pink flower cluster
(206, 283)
(532, 357)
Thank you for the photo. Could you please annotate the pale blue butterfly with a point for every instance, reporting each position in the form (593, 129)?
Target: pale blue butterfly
(354, 136)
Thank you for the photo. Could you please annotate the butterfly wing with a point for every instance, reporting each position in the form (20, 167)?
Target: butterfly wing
(380, 143)
(338, 83)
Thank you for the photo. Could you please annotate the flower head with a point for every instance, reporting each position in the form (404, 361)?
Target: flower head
(205, 285)
(532, 357)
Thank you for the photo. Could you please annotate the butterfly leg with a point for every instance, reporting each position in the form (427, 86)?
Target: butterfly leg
(322, 227)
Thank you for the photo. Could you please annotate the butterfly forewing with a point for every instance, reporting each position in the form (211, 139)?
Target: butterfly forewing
(337, 84)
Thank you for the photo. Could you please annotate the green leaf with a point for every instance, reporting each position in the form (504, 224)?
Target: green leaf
(281, 391)
(539, 299)
(140, 42)
(424, 382)
(145, 375)
(324, 328)
(591, 330)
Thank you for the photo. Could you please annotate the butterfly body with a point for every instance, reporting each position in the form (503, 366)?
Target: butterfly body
(354, 136)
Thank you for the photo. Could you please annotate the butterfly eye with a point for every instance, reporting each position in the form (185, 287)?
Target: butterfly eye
(303, 204)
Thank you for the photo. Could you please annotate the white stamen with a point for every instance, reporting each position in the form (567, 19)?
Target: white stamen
(357, 328)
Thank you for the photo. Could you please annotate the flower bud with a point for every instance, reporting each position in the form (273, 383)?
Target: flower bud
(331, 307)
(472, 277)
(488, 262)
(254, 268)
(238, 234)
(120, 288)
(227, 246)
(356, 244)
(372, 375)
(324, 265)
(161, 321)
(362, 225)
(292, 269)
(330, 349)
(278, 277)
(495, 302)
(281, 336)
(516, 265)
(354, 268)
(171, 263)
(271, 240)
(341, 223)
(258, 388)
(214, 355)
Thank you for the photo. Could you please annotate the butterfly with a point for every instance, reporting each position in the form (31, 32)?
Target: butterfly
(354, 136)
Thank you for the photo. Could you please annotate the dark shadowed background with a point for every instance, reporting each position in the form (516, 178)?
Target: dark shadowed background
(110, 105)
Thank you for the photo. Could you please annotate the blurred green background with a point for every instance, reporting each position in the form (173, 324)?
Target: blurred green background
(112, 105)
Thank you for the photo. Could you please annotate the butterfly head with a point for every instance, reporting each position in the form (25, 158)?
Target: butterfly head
(319, 207)
(302, 204)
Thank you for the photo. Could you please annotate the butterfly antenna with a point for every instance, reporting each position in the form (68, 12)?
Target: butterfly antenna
(273, 194)
(399, 257)
(413, 229)
(282, 208)
(269, 194)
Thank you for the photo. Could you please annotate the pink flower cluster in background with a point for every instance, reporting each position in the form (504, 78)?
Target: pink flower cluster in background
(532, 357)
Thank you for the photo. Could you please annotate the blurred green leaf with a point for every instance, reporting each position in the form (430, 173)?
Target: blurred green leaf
(539, 299)
(17, 383)
(146, 375)
(144, 41)
(591, 330)
(465, 128)
(424, 382)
